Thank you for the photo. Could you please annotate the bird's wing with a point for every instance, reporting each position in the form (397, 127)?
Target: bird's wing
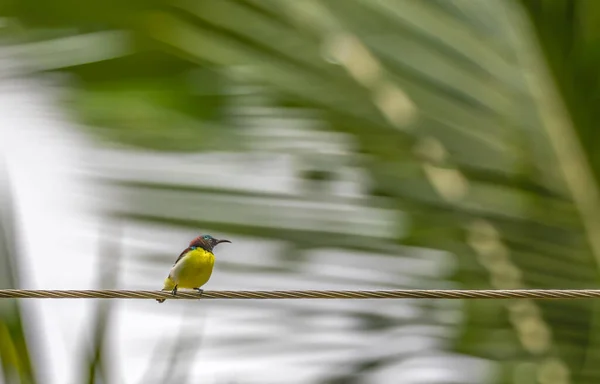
(182, 254)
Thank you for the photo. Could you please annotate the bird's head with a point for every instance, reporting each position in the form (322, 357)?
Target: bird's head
(207, 242)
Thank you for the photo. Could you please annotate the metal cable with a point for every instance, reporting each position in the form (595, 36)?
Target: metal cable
(375, 294)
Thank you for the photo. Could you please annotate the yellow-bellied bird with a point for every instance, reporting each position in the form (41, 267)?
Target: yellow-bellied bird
(193, 267)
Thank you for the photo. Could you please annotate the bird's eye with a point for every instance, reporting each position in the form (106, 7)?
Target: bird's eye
(206, 237)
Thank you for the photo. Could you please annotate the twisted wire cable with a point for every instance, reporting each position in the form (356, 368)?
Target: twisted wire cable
(350, 294)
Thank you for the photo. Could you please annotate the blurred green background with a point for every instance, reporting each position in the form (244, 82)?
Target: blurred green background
(340, 144)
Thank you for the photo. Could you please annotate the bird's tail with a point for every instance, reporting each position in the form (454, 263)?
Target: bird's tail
(168, 286)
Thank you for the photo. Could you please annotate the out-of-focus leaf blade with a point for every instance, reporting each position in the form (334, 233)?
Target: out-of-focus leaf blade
(17, 366)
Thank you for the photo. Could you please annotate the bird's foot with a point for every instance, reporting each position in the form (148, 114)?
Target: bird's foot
(201, 291)
(174, 291)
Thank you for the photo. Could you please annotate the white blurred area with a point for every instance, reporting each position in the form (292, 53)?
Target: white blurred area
(58, 216)
(57, 235)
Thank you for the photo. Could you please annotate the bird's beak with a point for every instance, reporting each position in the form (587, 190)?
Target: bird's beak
(223, 241)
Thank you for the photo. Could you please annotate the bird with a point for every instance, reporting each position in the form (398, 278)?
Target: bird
(193, 267)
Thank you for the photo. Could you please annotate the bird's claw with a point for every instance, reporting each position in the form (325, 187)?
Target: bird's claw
(174, 291)
(201, 291)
